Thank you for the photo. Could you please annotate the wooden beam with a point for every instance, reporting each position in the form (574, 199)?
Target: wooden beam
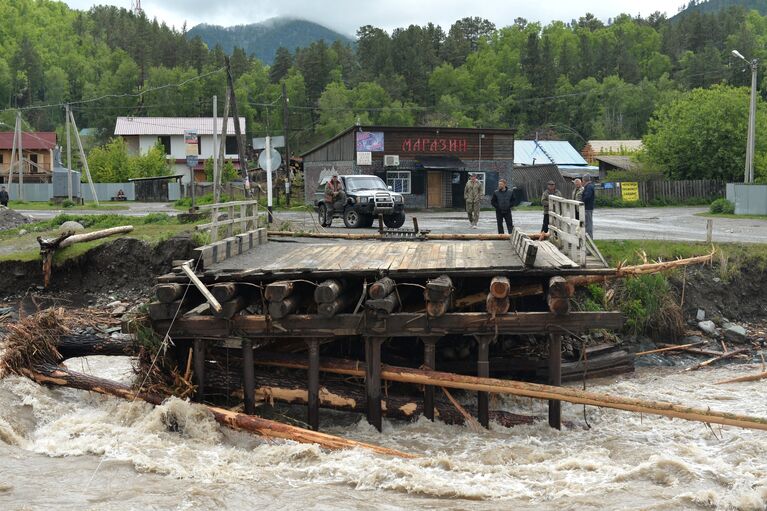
(248, 377)
(483, 371)
(278, 291)
(555, 378)
(373, 380)
(313, 386)
(429, 362)
(381, 288)
(394, 325)
(558, 297)
(500, 287)
(328, 291)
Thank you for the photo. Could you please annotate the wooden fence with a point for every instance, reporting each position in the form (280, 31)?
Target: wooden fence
(566, 228)
(672, 191)
(247, 217)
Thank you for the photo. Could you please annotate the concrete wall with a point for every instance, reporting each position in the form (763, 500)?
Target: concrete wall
(748, 199)
(104, 191)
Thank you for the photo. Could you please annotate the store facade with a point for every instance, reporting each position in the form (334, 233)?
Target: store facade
(430, 166)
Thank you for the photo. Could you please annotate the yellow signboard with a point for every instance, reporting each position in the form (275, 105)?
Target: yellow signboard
(630, 192)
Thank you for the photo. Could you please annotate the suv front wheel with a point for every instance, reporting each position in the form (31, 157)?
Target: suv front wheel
(394, 221)
(352, 218)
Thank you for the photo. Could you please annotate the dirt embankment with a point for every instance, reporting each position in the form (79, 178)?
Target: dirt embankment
(125, 267)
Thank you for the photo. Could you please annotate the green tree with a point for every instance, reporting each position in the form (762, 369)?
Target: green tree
(229, 172)
(151, 164)
(110, 163)
(702, 135)
(283, 60)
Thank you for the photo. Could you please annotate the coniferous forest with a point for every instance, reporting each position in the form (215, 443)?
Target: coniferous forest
(575, 79)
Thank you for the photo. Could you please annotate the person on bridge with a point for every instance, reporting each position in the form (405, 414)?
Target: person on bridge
(589, 197)
(551, 189)
(472, 194)
(577, 190)
(4, 197)
(502, 201)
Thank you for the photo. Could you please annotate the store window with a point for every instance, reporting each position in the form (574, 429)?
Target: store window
(399, 181)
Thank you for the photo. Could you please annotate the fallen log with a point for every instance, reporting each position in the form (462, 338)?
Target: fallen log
(532, 390)
(750, 377)
(381, 288)
(49, 246)
(641, 269)
(56, 375)
(699, 351)
(346, 398)
(723, 356)
(83, 345)
(369, 236)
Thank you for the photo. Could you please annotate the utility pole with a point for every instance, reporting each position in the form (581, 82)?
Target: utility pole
(751, 124)
(83, 158)
(215, 148)
(222, 149)
(69, 158)
(21, 158)
(286, 132)
(13, 154)
(237, 132)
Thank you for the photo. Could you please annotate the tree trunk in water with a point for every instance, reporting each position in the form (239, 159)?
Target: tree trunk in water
(56, 375)
(533, 390)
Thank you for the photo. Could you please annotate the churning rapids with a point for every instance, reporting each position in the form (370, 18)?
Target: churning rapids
(68, 449)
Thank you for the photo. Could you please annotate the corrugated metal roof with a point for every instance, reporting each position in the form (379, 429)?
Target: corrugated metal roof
(559, 152)
(29, 141)
(621, 162)
(172, 125)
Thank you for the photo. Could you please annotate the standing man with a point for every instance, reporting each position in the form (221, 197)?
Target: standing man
(551, 189)
(501, 201)
(472, 194)
(334, 196)
(578, 190)
(589, 196)
(3, 197)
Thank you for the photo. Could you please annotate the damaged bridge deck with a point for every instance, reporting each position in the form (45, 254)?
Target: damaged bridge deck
(355, 298)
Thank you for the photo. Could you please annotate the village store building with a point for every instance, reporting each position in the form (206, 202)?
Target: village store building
(37, 163)
(430, 166)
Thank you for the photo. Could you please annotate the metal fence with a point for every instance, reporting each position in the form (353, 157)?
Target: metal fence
(43, 192)
(748, 199)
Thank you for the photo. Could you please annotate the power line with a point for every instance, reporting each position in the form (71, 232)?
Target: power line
(114, 96)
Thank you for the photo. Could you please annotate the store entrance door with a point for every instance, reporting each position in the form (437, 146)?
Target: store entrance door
(434, 190)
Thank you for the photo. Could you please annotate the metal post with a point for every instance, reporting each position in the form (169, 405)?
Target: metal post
(555, 378)
(483, 371)
(751, 124)
(709, 230)
(313, 400)
(373, 380)
(286, 132)
(248, 377)
(69, 157)
(199, 369)
(429, 361)
(268, 150)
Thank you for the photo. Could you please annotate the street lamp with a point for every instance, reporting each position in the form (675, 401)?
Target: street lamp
(754, 64)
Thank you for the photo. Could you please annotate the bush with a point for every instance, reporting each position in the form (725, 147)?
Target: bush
(67, 204)
(722, 206)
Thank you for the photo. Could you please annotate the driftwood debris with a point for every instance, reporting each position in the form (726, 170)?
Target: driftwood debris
(717, 358)
(48, 246)
(56, 375)
(680, 347)
(750, 377)
(532, 390)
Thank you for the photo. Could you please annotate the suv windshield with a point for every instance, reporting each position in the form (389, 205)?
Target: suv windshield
(357, 183)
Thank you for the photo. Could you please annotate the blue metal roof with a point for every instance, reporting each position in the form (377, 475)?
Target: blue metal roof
(558, 152)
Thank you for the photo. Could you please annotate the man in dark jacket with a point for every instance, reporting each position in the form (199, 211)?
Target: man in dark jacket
(3, 196)
(502, 201)
(589, 196)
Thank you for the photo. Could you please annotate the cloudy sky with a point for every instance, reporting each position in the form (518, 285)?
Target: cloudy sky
(348, 15)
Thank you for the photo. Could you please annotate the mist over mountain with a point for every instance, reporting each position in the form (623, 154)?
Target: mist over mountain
(261, 40)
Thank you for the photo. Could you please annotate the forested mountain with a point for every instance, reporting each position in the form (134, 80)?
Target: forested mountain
(575, 80)
(261, 40)
(713, 6)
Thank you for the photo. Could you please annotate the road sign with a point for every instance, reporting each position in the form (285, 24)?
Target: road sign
(276, 159)
(630, 192)
(192, 160)
(260, 142)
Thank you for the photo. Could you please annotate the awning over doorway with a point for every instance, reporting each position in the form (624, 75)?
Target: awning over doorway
(439, 163)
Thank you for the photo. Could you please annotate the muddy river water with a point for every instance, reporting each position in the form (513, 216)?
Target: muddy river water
(68, 449)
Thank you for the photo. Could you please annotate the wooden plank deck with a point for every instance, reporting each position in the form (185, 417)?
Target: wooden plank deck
(405, 256)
